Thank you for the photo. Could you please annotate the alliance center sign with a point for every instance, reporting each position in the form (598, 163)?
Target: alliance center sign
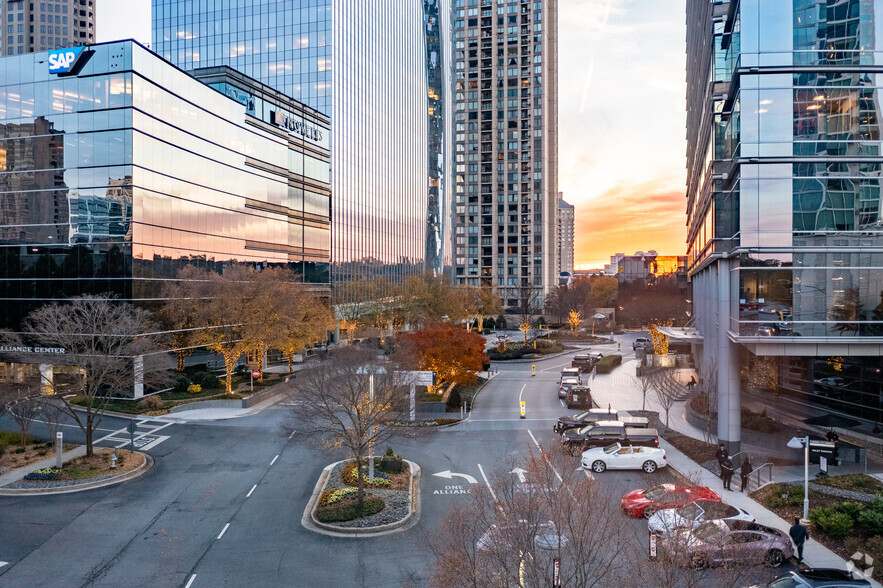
(40, 350)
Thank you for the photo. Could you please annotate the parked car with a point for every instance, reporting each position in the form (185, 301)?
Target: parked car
(566, 385)
(545, 536)
(582, 361)
(730, 541)
(619, 457)
(641, 342)
(817, 578)
(570, 372)
(579, 397)
(693, 514)
(603, 433)
(644, 503)
(592, 415)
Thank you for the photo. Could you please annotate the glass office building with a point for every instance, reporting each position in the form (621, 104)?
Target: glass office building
(116, 175)
(785, 235)
(376, 70)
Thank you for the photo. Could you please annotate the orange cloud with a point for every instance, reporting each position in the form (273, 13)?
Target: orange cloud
(628, 218)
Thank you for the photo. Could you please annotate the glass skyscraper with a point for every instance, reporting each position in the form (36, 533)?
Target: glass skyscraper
(785, 237)
(506, 147)
(377, 70)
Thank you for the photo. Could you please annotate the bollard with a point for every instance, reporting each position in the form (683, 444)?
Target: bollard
(58, 448)
(533, 369)
(523, 409)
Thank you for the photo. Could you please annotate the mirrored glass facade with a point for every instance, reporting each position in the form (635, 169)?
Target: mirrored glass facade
(506, 153)
(376, 69)
(785, 236)
(114, 179)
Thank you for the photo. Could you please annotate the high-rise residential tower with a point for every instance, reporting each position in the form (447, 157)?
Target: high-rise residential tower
(565, 237)
(506, 154)
(785, 238)
(377, 69)
(30, 26)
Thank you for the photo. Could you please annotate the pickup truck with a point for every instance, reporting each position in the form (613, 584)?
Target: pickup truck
(604, 433)
(593, 415)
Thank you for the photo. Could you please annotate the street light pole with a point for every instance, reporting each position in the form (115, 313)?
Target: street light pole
(797, 443)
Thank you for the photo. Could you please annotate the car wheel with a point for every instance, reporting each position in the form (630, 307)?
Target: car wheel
(700, 561)
(774, 558)
(599, 466)
(649, 466)
(649, 511)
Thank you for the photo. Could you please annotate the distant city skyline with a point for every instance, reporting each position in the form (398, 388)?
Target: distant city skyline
(621, 113)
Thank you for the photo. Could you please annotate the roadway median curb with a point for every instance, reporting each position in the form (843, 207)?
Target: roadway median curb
(139, 471)
(310, 522)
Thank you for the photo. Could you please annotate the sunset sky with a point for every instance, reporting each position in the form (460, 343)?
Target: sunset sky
(621, 118)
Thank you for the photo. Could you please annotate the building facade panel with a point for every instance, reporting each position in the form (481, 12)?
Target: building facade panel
(29, 27)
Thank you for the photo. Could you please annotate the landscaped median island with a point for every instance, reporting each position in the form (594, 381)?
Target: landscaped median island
(388, 501)
(81, 471)
(846, 514)
(14, 455)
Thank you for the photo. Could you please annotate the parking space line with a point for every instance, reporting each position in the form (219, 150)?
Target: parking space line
(488, 484)
(250, 491)
(190, 581)
(224, 530)
(274, 460)
(543, 453)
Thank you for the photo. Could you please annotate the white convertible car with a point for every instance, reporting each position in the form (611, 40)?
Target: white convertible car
(691, 515)
(618, 457)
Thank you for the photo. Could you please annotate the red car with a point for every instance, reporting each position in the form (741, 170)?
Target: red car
(643, 503)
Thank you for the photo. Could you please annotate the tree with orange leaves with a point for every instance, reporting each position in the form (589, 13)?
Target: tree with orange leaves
(453, 354)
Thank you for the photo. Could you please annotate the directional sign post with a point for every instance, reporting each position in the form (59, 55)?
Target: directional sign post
(131, 429)
(254, 374)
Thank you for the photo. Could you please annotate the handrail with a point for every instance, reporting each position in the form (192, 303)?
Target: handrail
(768, 465)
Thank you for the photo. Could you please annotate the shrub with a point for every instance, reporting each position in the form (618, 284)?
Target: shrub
(194, 388)
(349, 510)
(837, 525)
(607, 363)
(349, 476)
(870, 519)
(210, 381)
(181, 384)
(851, 509)
(775, 501)
(152, 403)
(454, 399)
(446, 421)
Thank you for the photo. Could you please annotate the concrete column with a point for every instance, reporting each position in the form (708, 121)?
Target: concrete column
(46, 378)
(729, 403)
(138, 368)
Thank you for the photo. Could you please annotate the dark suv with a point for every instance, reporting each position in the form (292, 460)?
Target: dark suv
(817, 578)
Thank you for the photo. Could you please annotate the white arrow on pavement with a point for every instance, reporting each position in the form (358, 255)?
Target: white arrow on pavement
(448, 474)
(3, 563)
(520, 473)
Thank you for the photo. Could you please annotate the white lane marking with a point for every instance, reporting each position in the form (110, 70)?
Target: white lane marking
(154, 428)
(190, 581)
(520, 393)
(488, 484)
(250, 491)
(292, 435)
(153, 443)
(588, 474)
(224, 530)
(557, 475)
(274, 460)
(69, 425)
(3, 563)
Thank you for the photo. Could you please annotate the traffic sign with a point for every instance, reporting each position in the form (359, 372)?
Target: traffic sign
(255, 373)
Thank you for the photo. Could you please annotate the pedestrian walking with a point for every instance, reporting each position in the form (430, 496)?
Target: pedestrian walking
(799, 534)
(727, 471)
(744, 471)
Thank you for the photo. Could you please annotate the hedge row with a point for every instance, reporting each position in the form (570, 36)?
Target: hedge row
(607, 363)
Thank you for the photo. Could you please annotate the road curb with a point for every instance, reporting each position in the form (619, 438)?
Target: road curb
(309, 521)
(137, 472)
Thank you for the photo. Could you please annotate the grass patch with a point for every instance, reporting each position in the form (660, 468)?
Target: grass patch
(348, 509)
(856, 482)
(9, 438)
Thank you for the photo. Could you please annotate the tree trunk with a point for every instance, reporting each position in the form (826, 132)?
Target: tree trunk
(228, 366)
(181, 357)
(481, 323)
(291, 362)
(88, 432)
(360, 495)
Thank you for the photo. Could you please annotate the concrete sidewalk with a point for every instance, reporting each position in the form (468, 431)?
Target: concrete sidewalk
(220, 414)
(814, 553)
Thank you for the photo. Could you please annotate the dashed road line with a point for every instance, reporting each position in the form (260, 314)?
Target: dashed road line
(224, 530)
(274, 460)
(3, 563)
(488, 484)
(250, 491)
(190, 581)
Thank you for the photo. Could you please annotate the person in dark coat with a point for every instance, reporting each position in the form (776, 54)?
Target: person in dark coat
(727, 471)
(721, 456)
(744, 471)
(799, 535)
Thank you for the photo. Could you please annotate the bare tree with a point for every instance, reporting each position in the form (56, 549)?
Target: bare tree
(335, 409)
(708, 393)
(23, 407)
(52, 412)
(668, 390)
(647, 378)
(103, 338)
(512, 537)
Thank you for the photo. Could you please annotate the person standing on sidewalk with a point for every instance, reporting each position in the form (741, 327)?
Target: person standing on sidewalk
(727, 471)
(721, 455)
(744, 471)
(799, 535)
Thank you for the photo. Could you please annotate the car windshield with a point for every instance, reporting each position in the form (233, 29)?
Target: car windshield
(690, 511)
(611, 448)
(655, 493)
(708, 532)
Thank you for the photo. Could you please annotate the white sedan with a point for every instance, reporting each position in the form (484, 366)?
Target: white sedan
(618, 457)
(693, 514)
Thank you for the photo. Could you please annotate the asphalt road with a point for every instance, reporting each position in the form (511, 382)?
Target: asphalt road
(222, 505)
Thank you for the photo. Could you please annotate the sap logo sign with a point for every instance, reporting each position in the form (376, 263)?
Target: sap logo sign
(64, 60)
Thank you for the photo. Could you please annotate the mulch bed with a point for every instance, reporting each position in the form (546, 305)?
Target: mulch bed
(33, 453)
